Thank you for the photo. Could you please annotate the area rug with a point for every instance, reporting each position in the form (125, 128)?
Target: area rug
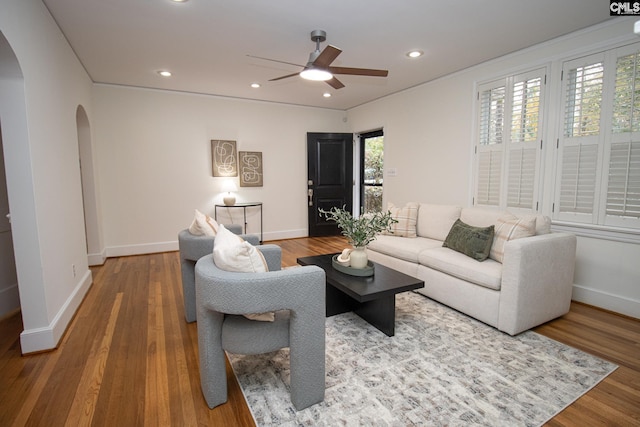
(441, 368)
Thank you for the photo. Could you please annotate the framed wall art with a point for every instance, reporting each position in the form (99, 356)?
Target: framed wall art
(250, 168)
(224, 158)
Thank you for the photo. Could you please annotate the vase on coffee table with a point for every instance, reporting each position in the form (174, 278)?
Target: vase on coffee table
(359, 231)
(359, 257)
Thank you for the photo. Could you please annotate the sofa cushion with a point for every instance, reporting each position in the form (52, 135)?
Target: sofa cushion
(510, 229)
(405, 249)
(471, 241)
(483, 217)
(435, 221)
(487, 273)
(406, 217)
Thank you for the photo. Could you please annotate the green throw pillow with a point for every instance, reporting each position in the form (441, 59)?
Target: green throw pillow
(471, 241)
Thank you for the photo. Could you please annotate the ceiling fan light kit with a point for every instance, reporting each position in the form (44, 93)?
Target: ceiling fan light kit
(316, 74)
(319, 67)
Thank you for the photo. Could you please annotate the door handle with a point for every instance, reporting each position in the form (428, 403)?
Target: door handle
(9, 217)
(310, 193)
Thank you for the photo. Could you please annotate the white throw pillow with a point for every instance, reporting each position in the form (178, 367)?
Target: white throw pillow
(232, 253)
(508, 228)
(407, 218)
(203, 225)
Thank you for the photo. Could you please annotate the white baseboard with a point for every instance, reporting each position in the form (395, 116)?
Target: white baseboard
(146, 248)
(623, 305)
(285, 234)
(47, 338)
(150, 248)
(9, 300)
(97, 259)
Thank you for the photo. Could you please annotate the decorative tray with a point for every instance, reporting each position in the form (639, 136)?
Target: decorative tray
(362, 272)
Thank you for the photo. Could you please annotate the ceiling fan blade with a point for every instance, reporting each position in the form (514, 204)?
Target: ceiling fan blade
(327, 56)
(335, 83)
(359, 71)
(284, 77)
(275, 60)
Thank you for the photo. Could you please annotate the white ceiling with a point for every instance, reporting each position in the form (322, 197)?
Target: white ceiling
(205, 43)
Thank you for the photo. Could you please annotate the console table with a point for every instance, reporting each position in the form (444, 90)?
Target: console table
(244, 207)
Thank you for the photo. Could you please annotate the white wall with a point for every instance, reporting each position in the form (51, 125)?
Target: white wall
(153, 153)
(429, 135)
(43, 175)
(154, 156)
(9, 298)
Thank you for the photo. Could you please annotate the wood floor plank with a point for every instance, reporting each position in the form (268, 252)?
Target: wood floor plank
(150, 373)
(178, 335)
(122, 398)
(84, 402)
(156, 410)
(27, 398)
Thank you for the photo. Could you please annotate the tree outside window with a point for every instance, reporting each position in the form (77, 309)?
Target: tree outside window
(373, 173)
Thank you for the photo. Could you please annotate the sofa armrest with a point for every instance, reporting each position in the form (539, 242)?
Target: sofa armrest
(537, 280)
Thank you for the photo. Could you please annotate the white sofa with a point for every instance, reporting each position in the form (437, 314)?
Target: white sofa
(531, 285)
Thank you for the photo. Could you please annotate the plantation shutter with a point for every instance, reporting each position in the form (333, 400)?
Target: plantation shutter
(508, 143)
(583, 81)
(577, 194)
(623, 180)
(524, 145)
(490, 143)
(623, 192)
(489, 175)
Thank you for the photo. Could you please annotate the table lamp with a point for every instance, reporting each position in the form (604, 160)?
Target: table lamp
(229, 186)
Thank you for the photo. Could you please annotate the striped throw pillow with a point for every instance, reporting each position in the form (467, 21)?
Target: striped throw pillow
(510, 229)
(407, 218)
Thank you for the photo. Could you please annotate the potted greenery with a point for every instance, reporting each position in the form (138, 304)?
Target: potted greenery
(359, 231)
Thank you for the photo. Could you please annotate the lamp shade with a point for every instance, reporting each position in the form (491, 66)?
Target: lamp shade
(229, 186)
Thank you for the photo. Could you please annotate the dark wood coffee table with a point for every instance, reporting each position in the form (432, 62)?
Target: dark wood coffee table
(372, 298)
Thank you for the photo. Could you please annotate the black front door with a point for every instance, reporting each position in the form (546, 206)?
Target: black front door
(330, 178)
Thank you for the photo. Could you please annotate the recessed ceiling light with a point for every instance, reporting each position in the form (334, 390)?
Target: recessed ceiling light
(326, 95)
(415, 54)
(165, 73)
(179, 1)
(255, 85)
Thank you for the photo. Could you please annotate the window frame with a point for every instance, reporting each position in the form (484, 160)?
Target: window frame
(492, 161)
(363, 137)
(597, 223)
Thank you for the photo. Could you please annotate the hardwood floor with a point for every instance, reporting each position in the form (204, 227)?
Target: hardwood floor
(129, 358)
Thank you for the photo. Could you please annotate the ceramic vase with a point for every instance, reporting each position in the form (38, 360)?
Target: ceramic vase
(359, 257)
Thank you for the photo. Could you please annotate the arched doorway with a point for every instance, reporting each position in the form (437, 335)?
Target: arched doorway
(20, 189)
(90, 201)
(10, 74)
(9, 296)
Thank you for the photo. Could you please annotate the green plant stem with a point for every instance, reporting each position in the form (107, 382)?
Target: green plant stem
(362, 230)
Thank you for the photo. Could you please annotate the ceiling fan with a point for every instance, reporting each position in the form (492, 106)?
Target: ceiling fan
(319, 65)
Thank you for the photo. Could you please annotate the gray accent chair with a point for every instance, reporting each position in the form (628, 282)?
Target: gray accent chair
(296, 295)
(192, 248)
